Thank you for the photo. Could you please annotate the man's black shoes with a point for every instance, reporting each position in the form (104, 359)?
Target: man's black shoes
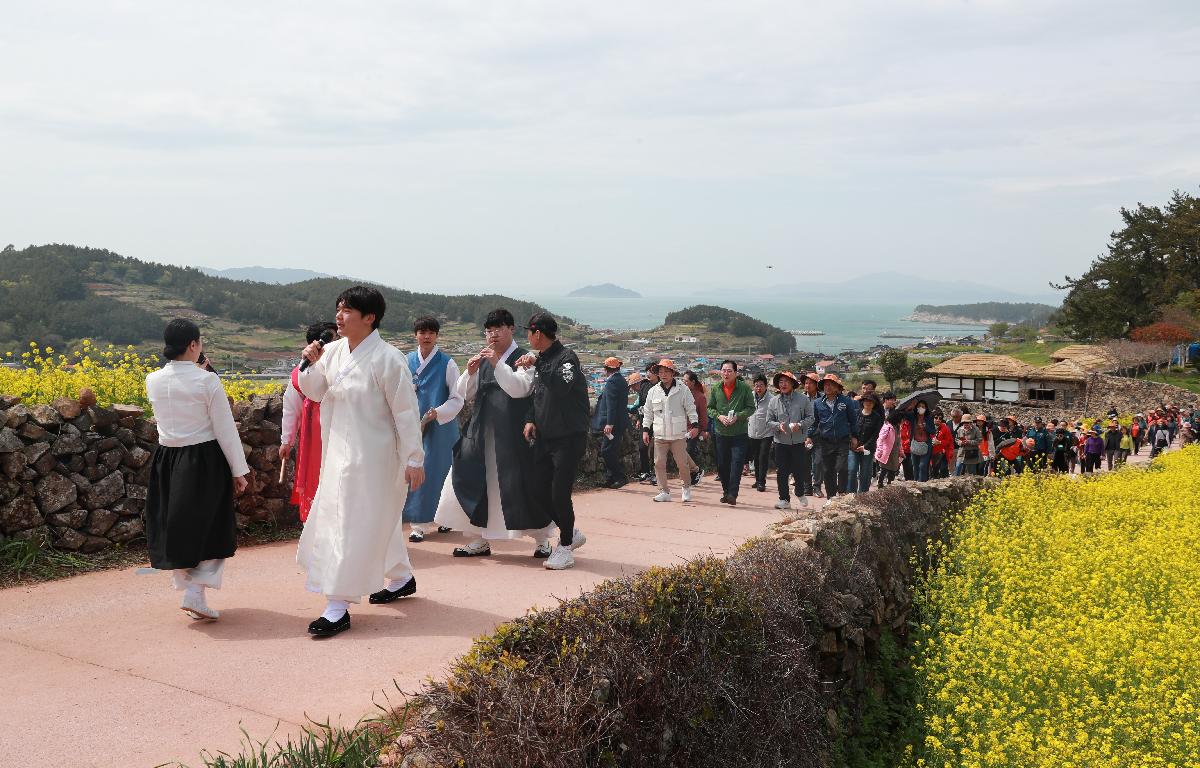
(388, 595)
(323, 627)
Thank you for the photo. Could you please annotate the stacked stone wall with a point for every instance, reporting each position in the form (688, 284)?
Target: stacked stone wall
(76, 476)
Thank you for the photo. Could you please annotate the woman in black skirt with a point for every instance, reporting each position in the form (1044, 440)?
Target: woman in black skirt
(198, 467)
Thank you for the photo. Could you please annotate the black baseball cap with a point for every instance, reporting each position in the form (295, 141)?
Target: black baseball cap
(544, 322)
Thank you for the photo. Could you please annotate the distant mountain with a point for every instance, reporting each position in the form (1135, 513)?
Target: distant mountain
(986, 313)
(55, 293)
(897, 288)
(273, 275)
(604, 291)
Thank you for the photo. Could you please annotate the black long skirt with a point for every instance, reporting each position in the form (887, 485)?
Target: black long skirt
(189, 507)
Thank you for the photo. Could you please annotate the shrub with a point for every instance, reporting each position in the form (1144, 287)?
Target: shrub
(708, 664)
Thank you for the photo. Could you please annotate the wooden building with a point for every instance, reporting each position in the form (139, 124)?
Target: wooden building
(982, 377)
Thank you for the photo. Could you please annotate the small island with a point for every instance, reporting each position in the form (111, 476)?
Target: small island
(604, 291)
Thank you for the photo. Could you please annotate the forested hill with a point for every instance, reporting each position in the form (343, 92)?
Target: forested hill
(722, 320)
(51, 293)
(992, 312)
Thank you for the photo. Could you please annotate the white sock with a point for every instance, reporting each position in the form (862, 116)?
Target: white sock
(195, 590)
(394, 584)
(335, 610)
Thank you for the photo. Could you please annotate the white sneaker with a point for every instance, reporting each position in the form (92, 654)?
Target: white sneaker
(662, 496)
(783, 504)
(560, 559)
(543, 549)
(687, 495)
(195, 606)
(802, 502)
(577, 539)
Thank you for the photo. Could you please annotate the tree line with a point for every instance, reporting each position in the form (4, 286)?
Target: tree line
(999, 311)
(722, 320)
(44, 295)
(1149, 273)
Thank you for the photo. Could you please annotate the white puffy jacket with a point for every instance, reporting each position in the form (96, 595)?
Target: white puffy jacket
(670, 413)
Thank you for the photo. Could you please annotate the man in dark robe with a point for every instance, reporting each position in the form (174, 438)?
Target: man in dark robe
(488, 492)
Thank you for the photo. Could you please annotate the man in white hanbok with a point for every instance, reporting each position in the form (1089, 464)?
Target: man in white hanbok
(371, 454)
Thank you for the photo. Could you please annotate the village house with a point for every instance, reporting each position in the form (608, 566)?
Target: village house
(981, 377)
(830, 366)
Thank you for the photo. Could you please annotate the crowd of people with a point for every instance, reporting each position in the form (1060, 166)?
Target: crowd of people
(378, 444)
(824, 441)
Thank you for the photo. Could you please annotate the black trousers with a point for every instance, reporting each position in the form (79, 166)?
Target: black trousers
(760, 452)
(834, 454)
(610, 451)
(792, 461)
(555, 464)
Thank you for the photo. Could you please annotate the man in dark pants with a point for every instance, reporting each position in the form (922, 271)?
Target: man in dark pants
(610, 419)
(558, 422)
(789, 415)
(834, 418)
(730, 406)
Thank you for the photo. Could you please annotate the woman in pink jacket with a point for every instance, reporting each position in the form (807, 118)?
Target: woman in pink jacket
(886, 453)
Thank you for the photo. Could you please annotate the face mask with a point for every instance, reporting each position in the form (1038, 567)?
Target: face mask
(920, 410)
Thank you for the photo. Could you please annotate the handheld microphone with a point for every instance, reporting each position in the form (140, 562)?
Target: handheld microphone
(325, 339)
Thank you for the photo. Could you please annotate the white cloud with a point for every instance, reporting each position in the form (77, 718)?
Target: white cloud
(228, 133)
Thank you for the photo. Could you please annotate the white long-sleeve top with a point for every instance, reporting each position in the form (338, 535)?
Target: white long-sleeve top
(293, 403)
(449, 410)
(468, 383)
(518, 383)
(190, 407)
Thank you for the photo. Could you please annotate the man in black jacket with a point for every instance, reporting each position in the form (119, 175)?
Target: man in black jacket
(610, 420)
(557, 424)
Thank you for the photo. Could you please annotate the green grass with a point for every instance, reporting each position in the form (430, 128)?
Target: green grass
(31, 561)
(1184, 378)
(320, 746)
(23, 561)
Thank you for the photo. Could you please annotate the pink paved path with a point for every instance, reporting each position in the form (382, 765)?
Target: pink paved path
(105, 670)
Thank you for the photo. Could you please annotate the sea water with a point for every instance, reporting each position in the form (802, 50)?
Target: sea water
(846, 325)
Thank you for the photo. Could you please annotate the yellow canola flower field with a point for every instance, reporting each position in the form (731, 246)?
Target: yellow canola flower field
(114, 375)
(1062, 626)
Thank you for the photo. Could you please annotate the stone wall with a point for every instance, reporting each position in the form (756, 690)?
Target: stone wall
(872, 550)
(76, 476)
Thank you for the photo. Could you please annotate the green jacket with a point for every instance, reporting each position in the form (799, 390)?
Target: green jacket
(742, 404)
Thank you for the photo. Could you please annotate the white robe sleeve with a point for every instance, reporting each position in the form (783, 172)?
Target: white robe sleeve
(292, 404)
(314, 382)
(223, 426)
(467, 386)
(516, 384)
(449, 410)
(401, 397)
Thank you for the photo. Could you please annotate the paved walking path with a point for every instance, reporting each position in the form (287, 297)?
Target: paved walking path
(105, 670)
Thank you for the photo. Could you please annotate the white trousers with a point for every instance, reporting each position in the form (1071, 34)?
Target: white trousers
(207, 574)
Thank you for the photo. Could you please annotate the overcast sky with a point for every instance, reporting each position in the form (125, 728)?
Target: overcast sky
(467, 146)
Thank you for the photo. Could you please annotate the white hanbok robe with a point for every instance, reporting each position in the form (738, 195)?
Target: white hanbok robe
(450, 512)
(370, 432)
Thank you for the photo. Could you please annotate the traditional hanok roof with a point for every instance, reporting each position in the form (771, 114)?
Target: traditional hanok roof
(982, 366)
(1063, 370)
(1090, 357)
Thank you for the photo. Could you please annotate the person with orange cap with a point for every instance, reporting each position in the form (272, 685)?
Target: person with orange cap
(670, 419)
(610, 419)
(834, 418)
